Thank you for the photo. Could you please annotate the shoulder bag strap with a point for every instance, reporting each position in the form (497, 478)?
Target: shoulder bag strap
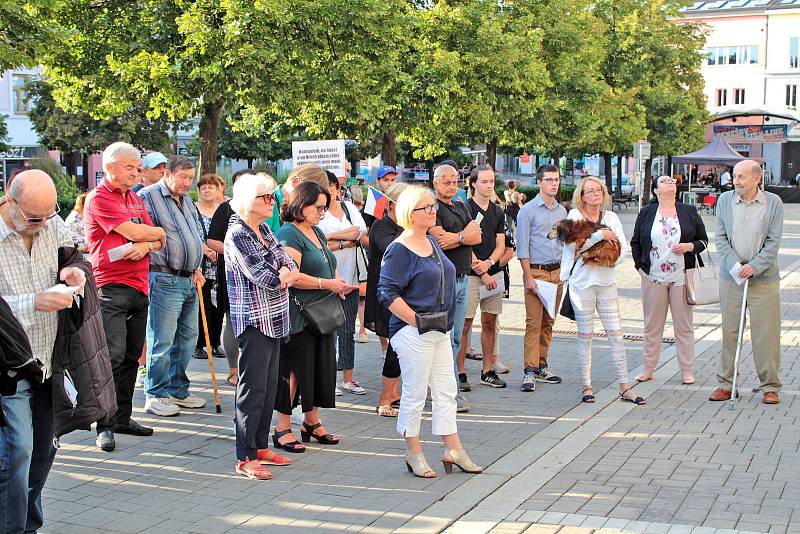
(441, 272)
(323, 241)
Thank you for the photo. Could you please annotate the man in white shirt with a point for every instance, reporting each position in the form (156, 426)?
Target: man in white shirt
(31, 233)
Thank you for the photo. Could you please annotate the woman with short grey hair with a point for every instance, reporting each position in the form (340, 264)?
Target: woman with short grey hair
(259, 273)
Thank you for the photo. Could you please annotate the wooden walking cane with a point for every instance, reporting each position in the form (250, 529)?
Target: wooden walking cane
(208, 347)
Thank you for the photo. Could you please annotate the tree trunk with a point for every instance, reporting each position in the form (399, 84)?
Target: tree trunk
(209, 131)
(648, 176)
(537, 162)
(619, 176)
(491, 152)
(249, 163)
(607, 168)
(389, 149)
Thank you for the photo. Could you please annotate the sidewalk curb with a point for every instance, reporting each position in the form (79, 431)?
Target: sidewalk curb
(479, 504)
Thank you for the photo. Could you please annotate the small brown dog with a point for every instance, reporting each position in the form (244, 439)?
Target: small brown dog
(604, 253)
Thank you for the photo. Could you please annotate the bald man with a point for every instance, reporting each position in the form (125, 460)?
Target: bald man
(748, 236)
(30, 234)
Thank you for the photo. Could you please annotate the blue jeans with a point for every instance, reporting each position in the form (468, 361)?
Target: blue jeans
(171, 335)
(459, 313)
(26, 455)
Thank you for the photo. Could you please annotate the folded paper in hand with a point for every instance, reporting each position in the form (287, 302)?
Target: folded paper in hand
(485, 292)
(69, 388)
(547, 292)
(116, 254)
(734, 272)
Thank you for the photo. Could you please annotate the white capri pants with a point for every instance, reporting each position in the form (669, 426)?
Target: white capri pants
(425, 360)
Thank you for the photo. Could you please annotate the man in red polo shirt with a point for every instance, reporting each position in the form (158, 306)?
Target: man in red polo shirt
(114, 217)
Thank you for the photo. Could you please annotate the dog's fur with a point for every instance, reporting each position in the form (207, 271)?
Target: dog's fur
(604, 253)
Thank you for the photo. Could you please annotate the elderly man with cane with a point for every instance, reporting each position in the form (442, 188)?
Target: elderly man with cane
(748, 236)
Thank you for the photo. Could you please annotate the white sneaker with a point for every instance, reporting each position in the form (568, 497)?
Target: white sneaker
(499, 367)
(337, 391)
(161, 406)
(192, 401)
(141, 374)
(353, 387)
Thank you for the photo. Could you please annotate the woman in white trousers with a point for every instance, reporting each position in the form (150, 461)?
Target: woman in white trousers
(594, 287)
(417, 280)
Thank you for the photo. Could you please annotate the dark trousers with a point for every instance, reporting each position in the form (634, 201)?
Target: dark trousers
(255, 392)
(26, 455)
(124, 311)
(213, 319)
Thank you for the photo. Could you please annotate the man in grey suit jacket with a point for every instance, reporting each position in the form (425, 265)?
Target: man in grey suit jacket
(748, 233)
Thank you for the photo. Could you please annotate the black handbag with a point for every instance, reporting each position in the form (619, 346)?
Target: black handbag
(325, 314)
(566, 303)
(437, 321)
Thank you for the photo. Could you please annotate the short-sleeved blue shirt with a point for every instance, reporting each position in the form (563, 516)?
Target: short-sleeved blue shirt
(416, 279)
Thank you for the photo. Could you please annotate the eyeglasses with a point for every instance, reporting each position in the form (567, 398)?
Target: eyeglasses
(268, 197)
(321, 208)
(592, 191)
(32, 221)
(550, 180)
(667, 181)
(430, 208)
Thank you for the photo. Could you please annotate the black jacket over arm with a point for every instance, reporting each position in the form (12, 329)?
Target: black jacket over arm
(692, 231)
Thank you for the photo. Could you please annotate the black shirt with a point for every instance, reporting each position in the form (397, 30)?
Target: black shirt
(217, 231)
(454, 218)
(493, 223)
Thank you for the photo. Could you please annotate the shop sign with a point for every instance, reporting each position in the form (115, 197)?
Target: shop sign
(734, 133)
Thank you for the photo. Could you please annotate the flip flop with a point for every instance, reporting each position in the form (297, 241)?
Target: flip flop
(640, 380)
(472, 355)
(386, 411)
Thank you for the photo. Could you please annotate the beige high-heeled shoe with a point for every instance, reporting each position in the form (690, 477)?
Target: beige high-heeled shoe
(417, 464)
(459, 458)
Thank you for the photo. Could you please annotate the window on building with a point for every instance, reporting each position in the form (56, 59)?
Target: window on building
(732, 55)
(791, 96)
(794, 52)
(738, 96)
(722, 97)
(19, 89)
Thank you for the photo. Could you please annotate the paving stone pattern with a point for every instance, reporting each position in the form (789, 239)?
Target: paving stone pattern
(680, 460)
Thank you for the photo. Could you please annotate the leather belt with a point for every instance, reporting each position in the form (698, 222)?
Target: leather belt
(170, 270)
(546, 266)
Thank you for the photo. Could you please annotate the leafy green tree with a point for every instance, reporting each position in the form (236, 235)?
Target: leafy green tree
(80, 132)
(3, 133)
(23, 31)
(237, 144)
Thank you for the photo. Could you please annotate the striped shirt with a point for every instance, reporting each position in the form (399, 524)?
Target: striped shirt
(184, 250)
(254, 287)
(23, 275)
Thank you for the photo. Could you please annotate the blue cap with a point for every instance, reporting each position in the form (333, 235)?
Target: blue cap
(153, 160)
(386, 169)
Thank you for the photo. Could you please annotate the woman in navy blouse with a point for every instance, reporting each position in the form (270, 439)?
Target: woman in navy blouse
(411, 277)
(259, 273)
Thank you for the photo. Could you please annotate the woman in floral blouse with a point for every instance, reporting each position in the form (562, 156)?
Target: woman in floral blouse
(74, 222)
(665, 240)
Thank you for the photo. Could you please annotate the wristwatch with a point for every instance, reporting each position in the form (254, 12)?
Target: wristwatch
(341, 244)
(460, 239)
(491, 262)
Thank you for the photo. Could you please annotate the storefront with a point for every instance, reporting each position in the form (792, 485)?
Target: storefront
(13, 159)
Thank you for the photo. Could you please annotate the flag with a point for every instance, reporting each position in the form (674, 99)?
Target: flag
(376, 203)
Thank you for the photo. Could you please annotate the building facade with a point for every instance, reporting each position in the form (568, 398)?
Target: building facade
(752, 64)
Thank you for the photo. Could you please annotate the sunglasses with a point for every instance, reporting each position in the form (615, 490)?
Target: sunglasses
(667, 181)
(267, 197)
(32, 221)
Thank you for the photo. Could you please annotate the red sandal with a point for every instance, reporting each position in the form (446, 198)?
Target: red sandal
(270, 457)
(257, 471)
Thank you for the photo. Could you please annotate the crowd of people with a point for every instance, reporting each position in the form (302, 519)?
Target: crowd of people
(283, 271)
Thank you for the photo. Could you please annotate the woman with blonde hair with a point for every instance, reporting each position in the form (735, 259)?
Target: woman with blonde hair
(417, 284)
(594, 287)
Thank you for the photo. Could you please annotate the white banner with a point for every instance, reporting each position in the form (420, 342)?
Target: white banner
(327, 154)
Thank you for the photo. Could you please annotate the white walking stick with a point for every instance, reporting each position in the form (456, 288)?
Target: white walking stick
(739, 339)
